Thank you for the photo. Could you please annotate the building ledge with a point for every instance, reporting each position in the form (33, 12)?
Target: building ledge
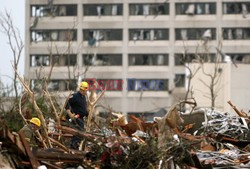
(102, 18)
(195, 17)
(193, 43)
(111, 94)
(236, 42)
(55, 19)
(150, 18)
(52, 44)
(154, 43)
(151, 94)
(105, 44)
(148, 68)
(235, 17)
(107, 68)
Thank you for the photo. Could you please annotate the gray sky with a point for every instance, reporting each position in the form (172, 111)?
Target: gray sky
(16, 8)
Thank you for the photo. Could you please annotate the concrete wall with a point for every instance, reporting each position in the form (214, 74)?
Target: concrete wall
(240, 86)
(233, 84)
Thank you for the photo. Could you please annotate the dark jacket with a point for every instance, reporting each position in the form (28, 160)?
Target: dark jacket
(77, 104)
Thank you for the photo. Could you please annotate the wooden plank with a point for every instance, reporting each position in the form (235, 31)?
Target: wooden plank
(76, 132)
(62, 157)
(32, 158)
(6, 135)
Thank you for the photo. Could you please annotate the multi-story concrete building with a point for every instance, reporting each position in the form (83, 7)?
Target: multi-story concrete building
(140, 42)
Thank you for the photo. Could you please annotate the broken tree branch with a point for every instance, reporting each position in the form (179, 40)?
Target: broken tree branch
(92, 107)
(38, 111)
(47, 95)
(241, 114)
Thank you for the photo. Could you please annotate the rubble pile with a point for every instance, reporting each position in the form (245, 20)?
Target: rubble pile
(229, 126)
(222, 141)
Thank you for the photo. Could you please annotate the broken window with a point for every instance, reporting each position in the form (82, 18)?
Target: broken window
(236, 8)
(240, 57)
(35, 85)
(195, 33)
(102, 60)
(236, 33)
(102, 9)
(70, 60)
(54, 85)
(67, 35)
(94, 36)
(57, 60)
(149, 9)
(148, 59)
(39, 60)
(148, 34)
(181, 59)
(64, 60)
(53, 35)
(54, 10)
(62, 85)
(195, 8)
(179, 80)
(147, 84)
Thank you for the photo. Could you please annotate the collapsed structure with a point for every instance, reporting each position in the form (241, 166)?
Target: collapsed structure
(221, 140)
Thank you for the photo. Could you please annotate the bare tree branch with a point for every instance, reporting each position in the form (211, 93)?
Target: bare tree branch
(15, 42)
(38, 111)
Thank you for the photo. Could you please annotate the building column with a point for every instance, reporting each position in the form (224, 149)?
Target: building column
(79, 35)
(171, 49)
(27, 40)
(125, 57)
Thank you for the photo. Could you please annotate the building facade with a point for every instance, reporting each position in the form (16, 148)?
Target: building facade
(139, 44)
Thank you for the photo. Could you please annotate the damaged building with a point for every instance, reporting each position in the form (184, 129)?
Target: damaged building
(120, 40)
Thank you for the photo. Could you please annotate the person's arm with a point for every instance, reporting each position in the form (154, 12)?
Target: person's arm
(71, 115)
(68, 109)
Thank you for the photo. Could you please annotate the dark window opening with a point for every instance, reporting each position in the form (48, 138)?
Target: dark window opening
(147, 84)
(39, 60)
(236, 8)
(181, 59)
(62, 85)
(148, 59)
(54, 85)
(179, 80)
(56, 60)
(195, 33)
(53, 10)
(102, 35)
(102, 9)
(149, 9)
(64, 60)
(240, 58)
(148, 34)
(195, 8)
(53, 35)
(236, 33)
(102, 60)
